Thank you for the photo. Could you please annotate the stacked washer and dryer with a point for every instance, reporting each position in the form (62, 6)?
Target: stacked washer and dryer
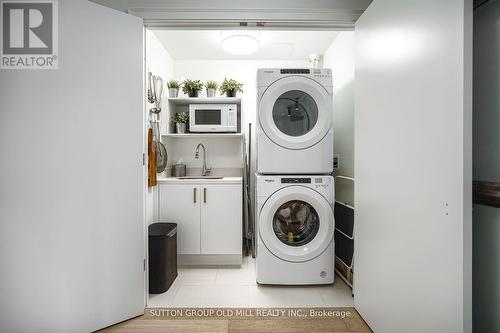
(294, 186)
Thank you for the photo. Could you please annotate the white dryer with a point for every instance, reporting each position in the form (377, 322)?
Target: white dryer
(294, 121)
(295, 228)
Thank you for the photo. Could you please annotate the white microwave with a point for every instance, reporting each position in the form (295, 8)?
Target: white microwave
(212, 117)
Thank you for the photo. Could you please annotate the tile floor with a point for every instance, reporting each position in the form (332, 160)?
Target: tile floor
(236, 287)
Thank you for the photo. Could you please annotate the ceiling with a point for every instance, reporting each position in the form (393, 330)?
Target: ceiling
(274, 45)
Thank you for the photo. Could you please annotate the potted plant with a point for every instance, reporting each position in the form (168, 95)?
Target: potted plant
(192, 87)
(173, 88)
(180, 120)
(230, 87)
(211, 88)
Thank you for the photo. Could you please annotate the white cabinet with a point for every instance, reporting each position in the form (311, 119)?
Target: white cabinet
(208, 217)
(221, 229)
(179, 203)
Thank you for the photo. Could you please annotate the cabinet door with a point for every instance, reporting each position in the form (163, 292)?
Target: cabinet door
(181, 204)
(412, 97)
(85, 244)
(221, 219)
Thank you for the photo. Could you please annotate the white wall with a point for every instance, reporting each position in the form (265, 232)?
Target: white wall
(160, 63)
(221, 152)
(487, 166)
(340, 57)
(158, 60)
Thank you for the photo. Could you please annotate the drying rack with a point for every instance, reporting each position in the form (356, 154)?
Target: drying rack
(248, 220)
(344, 238)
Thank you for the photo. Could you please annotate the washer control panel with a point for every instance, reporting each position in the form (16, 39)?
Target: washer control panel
(320, 182)
(315, 182)
(268, 184)
(295, 180)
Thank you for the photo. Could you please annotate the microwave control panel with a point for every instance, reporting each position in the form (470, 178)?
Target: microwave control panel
(231, 116)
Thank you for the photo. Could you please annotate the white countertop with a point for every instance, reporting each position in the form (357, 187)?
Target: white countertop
(229, 176)
(224, 180)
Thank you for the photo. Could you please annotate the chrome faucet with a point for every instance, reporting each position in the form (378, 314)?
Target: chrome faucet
(205, 171)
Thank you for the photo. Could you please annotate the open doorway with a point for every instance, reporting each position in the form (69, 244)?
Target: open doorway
(229, 279)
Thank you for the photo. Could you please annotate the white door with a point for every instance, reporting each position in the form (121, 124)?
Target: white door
(221, 219)
(72, 179)
(180, 203)
(413, 166)
(294, 112)
(296, 223)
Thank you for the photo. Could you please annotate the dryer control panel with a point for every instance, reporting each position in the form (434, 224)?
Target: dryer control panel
(316, 72)
(267, 76)
(325, 72)
(295, 71)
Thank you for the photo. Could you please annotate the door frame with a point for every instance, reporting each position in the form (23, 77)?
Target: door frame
(145, 169)
(179, 22)
(281, 14)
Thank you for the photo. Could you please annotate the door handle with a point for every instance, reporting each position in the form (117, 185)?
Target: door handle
(194, 195)
(486, 193)
(205, 195)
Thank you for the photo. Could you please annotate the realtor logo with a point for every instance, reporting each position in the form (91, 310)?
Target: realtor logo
(29, 34)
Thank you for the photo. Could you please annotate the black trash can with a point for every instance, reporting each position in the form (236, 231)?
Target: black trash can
(162, 256)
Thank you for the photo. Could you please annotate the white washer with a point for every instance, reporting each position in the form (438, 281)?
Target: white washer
(294, 121)
(295, 228)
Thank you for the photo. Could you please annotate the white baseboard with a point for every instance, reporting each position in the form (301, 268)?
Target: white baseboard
(209, 259)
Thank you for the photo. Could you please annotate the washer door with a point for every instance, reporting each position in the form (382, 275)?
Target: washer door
(296, 224)
(295, 112)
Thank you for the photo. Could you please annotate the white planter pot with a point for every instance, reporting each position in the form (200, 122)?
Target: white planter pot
(211, 92)
(180, 127)
(173, 92)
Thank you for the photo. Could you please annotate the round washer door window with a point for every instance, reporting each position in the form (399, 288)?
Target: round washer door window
(296, 223)
(295, 113)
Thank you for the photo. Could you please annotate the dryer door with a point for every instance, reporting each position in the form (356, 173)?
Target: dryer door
(295, 112)
(296, 223)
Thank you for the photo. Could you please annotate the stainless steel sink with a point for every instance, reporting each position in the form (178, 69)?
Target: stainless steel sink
(200, 177)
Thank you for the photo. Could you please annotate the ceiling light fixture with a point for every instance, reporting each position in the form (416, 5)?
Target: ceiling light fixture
(240, 44)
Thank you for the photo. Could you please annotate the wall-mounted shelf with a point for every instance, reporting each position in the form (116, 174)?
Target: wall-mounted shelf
(181, 104)
(183, 101)
(203, 135)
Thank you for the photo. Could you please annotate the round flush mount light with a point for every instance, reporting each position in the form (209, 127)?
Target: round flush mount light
(240, 44)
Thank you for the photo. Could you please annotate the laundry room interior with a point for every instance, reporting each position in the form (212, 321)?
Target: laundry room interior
(311, 155)
(218, 242)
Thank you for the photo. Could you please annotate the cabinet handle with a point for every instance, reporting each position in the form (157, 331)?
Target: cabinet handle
(205, 195)
(194, 195)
